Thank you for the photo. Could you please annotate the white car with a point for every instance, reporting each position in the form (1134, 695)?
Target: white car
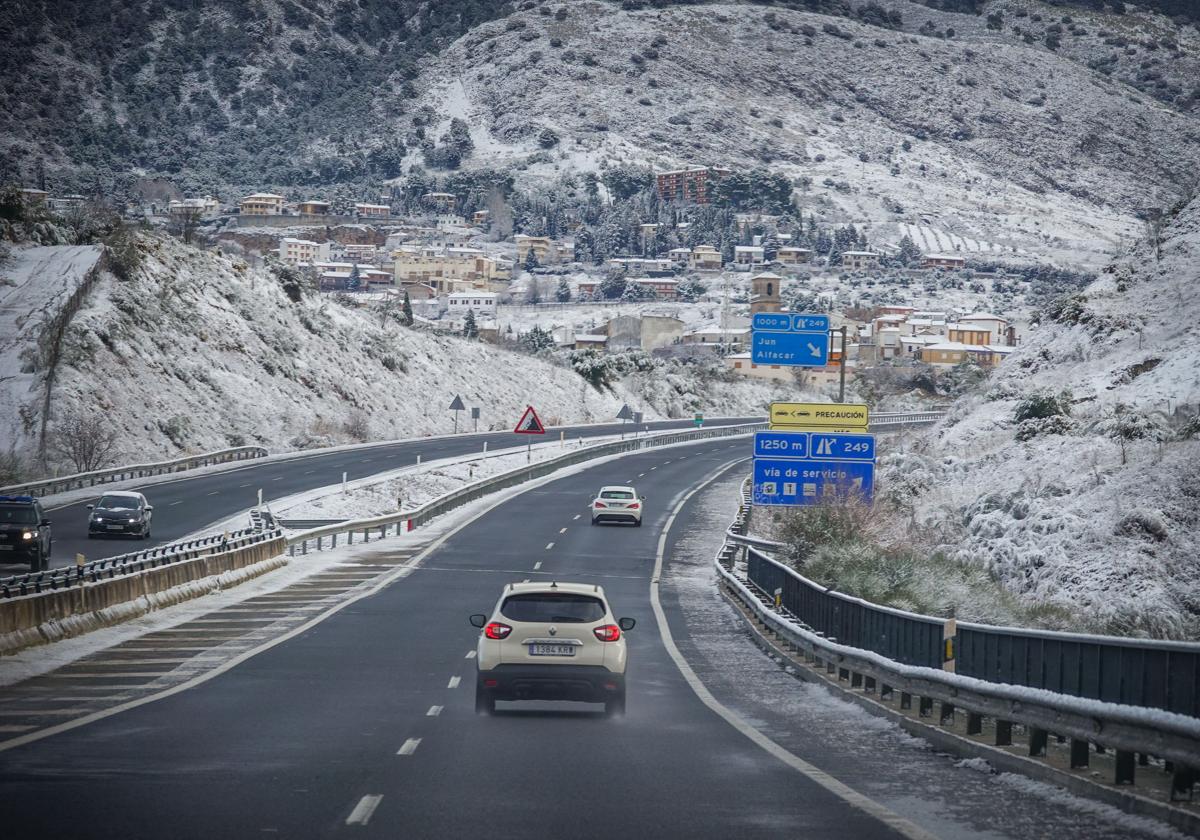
(551, 641)
(617, 504)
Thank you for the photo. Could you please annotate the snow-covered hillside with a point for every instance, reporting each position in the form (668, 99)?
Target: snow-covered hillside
(1001, 146)
(1098, 509)
(196, 351)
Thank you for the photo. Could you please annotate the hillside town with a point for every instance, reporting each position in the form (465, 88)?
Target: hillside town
(459, 270)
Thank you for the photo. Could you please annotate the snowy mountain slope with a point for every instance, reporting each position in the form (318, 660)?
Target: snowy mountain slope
(35, 283)
(196, 352)
(1006, 143)
(1068, 515)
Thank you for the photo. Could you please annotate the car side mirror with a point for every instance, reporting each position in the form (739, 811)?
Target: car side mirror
(626, 624)
(478, 620)
(643, 498)
(149, 507)
(91, 507)
(43, 523)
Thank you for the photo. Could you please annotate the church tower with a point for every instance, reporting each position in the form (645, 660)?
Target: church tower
(764, 293)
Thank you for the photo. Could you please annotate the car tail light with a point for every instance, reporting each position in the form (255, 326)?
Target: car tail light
(633, 506)
(608, 633)
(600, 504)
(496, 630)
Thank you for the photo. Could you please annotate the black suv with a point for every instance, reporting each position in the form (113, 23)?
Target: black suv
(24, 532)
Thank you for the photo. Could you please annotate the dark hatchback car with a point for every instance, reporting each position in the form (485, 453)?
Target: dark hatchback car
(24, 532)
(121, 514)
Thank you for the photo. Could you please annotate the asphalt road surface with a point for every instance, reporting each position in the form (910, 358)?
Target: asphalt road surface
(354, 729)
(186, 504)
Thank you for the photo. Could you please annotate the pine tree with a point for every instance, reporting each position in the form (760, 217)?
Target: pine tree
(470, 328)
(408, 313)
(531, 260)
(354, 281)
(909, 254)
(563, 293)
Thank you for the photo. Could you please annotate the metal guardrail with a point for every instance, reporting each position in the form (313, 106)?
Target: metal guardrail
(905, 418)
(49, 486)
(1130, 695)
(393, 524)
(125, 564)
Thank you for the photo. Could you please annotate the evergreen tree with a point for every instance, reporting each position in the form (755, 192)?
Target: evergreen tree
(531, 260)
(537, 340)
(470, 328)
(354, 281)
(909, 254)
(407, 310)
(563, 293)
(770, 245)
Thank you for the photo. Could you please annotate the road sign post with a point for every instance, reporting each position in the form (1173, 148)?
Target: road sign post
(698, 420)
(475, 416)
(624, 415)
(529, 424)
(456, 406)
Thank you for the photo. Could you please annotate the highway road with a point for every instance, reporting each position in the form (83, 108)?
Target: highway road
(362, 724)
(185, 504)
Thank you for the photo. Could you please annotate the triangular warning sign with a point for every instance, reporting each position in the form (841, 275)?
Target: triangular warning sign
(530, 423)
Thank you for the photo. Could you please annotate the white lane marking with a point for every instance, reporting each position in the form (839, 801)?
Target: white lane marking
(434, 711)
(410, 746)
(309, 472)
(247, 484)
(213, 493)
(640, 475)
(844, 792)
(280, 478)
(364, 809)
(578, 515)
(367, 460)
(470, 655)
(172, 504)
(564, 530)
(537, 565)
(454, 681)
(653, 468)
(549, 546)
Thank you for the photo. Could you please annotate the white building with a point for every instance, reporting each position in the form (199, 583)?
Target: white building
(748, 255)
(296, 252)
(481, 303)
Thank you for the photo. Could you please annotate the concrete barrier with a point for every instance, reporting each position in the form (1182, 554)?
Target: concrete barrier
(49, 616)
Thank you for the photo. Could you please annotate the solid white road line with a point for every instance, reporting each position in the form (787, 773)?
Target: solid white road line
(410, 746)
(847, 794)
(537, 565)
(364, 809)
(454, 681)
(434, 711)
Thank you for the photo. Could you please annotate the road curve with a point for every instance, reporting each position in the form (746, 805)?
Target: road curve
(188, 503)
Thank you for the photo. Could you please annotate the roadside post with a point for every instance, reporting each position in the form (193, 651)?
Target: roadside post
(624, 415)
(475, 416)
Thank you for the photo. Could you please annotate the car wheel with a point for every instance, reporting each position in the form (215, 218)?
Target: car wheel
(485, 703)
(615, 706)
(638, 523)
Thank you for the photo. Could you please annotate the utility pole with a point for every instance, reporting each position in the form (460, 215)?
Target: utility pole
(842, 372)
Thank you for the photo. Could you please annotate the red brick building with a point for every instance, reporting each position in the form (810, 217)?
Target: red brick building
(689, 185)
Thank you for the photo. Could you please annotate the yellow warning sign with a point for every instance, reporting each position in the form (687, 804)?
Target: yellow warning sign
(840, 416)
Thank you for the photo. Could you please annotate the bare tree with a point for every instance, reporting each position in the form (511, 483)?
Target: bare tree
(86, 442)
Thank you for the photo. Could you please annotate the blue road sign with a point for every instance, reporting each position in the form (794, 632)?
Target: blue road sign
(793, 483)
(841, 447)
(777, 321)
(794, 349)
(781, 444)
(789, 322)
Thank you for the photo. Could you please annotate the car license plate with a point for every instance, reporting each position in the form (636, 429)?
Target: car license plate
(551, 650)
(114, 527)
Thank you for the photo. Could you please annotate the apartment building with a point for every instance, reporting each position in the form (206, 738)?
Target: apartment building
(262, 204)
(691, 185)
(297, 252)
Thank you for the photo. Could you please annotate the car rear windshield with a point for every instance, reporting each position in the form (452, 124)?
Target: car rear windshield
(118, 503)
(616, 494)
(552, 606)
(19, 514)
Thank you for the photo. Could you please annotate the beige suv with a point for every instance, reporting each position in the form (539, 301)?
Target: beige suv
(551, 641)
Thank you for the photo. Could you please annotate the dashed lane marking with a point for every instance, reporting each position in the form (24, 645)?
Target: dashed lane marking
(470, 654)
(172, 504)
(549, 546)
(410, 746)
(366, 806)
(213, 493)
(434, 711)
(279, 478)
(454, 681)
(578, 515)
(537, 565)
(562, 530)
